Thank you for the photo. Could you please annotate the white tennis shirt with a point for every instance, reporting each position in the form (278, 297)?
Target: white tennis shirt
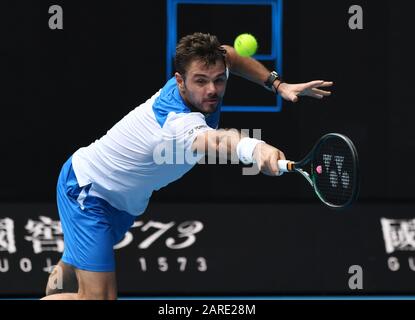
(143, 152)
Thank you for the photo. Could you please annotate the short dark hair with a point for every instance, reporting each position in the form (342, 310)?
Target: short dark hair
(198, 46)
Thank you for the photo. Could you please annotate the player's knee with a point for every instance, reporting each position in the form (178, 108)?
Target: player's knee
(62, 280)
(97, 285)
(49, 291)
(97, 295)
(51, 287)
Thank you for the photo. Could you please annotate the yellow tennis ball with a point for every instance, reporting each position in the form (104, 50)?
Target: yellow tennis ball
(245, 45)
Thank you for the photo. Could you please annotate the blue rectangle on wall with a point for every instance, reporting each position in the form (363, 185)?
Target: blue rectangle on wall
(227, 19)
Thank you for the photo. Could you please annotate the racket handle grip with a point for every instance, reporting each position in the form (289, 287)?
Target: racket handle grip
(285, 166)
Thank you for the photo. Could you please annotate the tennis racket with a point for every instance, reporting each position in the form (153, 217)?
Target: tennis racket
(331, 168)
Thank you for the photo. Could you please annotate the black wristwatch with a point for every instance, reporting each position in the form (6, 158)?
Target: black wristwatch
(269, 83)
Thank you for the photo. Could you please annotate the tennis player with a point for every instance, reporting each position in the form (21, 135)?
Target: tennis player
(103, 187)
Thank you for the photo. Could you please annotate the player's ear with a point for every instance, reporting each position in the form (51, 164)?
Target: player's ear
(179, 80)
(230, 55)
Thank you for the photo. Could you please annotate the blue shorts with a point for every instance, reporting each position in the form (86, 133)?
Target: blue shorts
(91, 226)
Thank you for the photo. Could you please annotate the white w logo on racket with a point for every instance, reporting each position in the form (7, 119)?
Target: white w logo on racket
(335, 174)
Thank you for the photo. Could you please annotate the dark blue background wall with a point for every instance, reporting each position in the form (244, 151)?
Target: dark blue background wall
(61, 90)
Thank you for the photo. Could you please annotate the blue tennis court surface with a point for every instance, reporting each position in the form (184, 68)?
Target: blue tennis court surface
(258, 298)
(276, 298)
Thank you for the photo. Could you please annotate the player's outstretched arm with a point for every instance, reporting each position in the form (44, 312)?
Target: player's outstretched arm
(255, 71)
(231, 143)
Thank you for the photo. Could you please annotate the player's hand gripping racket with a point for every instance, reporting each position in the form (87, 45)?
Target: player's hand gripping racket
(331, 168)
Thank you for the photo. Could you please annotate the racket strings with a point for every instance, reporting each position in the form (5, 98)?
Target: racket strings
(334, 172)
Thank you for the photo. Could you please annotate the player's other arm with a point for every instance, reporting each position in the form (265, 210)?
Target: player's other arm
(255, 71)
(246, 67)
(228, 143)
